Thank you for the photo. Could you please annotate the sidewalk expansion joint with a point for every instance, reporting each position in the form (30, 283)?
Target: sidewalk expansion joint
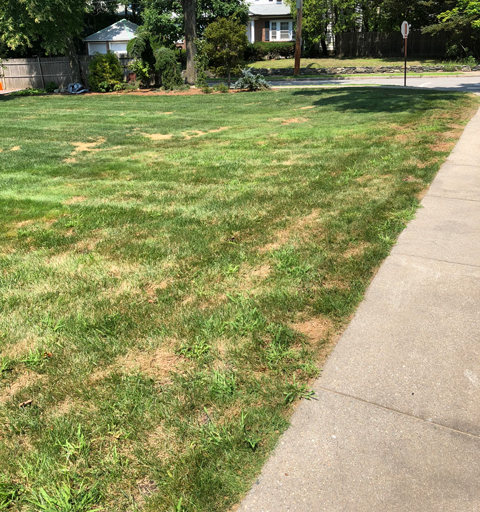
(455, 198)
(434, 259)
(390, 409)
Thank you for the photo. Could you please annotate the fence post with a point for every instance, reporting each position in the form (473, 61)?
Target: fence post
(41, 72)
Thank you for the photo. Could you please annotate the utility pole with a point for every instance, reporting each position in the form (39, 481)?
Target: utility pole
(298, 39)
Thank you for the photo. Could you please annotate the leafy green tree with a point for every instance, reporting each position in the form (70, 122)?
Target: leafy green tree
(225, 43)
(54, 24)
(174, 20)
(462, 22)
(165, 18)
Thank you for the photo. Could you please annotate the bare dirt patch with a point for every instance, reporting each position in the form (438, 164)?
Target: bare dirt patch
(15, 148)
(315, 329)
(306, 108)
(69, 161)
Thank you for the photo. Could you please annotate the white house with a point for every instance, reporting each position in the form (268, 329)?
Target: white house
(114, 38)
(269, 20)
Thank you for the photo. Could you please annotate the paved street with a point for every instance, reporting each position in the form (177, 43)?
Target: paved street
(395, 426)
(458, 83)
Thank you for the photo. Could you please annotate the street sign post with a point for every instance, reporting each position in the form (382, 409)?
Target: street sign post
(405, 31)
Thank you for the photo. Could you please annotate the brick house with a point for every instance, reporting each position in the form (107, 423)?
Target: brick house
(270, 20)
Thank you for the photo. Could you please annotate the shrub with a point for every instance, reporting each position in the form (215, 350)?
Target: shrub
(29, 91)
(222, 88)
(206, 89)
(201, 64)
(251, 81)
(51, 86)
(142, 70)
(105, 72)
(168, 68)
(266, 50)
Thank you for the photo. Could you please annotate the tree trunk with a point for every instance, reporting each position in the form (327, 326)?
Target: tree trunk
(324, 47)
(190, 36)
(74, 62)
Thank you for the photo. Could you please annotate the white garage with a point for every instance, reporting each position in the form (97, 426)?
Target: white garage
(114, 38)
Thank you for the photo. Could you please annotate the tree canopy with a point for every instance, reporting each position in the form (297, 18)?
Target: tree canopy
(165, 18)
(53, 24)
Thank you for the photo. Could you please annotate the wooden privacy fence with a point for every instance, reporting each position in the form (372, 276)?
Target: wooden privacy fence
(37, 72)
(380, 44)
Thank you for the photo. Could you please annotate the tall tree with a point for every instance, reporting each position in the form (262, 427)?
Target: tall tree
(173, 20)
(53, 24)
(190, 21)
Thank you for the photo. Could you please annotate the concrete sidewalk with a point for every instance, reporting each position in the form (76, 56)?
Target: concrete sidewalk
(396, 423)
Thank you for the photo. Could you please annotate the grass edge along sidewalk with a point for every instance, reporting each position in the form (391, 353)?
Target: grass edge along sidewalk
(173, 270)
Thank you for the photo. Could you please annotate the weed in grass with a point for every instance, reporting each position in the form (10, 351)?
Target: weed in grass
(66, 499)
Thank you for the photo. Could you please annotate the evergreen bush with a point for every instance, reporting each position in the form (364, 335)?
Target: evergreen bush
(168, 68)
(105, 72)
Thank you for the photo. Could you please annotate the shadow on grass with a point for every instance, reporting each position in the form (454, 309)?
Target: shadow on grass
(377, 99)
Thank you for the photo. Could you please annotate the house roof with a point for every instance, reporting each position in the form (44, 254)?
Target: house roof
(272, 9)
(123, 30)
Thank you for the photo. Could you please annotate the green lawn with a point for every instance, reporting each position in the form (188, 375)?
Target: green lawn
(348, 62)
(174, 269)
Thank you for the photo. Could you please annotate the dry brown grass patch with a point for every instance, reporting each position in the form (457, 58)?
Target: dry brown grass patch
(76, 199)
(356, 250)
(87, 146)
(151, 288)
(20, 348)
(157, 364)
(15, 148)
(298, 228)
(442, 146)
(158, 136)
(295, 120)
(24, 380)
(66, 406)
(315, 329)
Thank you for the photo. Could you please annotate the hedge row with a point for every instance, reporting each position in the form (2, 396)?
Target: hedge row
(267, 50)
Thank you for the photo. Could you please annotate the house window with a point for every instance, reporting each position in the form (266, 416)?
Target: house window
(273, 30)
(284, 30)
